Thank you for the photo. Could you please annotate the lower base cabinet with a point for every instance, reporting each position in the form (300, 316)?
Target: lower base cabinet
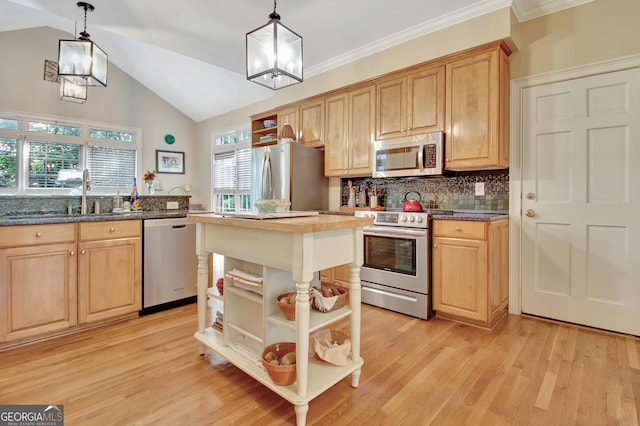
(38, 291)
(470, 270)
(55, 278)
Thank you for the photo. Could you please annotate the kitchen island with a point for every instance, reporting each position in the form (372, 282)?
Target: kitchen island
(287, 253)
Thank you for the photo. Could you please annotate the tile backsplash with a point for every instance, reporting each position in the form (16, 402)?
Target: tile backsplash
(443, 192)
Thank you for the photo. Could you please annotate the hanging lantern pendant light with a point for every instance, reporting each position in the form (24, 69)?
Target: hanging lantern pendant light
(274, 54)
(81, 61)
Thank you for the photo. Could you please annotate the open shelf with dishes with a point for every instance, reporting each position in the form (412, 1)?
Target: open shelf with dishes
(264, 130)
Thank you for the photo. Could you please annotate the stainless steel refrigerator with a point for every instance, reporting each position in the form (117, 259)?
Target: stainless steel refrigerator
(290, 171)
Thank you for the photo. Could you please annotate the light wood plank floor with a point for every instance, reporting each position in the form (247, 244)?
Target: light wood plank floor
(525, 372)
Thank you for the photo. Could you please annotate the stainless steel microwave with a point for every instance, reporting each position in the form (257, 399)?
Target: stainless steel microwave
(419, 155)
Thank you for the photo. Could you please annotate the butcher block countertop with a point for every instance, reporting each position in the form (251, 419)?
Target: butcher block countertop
(297, 225)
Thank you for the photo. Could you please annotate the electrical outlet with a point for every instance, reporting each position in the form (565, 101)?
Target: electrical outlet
(172, 205)
(479, 188)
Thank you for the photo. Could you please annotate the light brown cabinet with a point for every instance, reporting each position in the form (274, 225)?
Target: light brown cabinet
(410, 104)
(38, 280)
(109, 270)
(340, 274)
(477, 110)
(350, 125)
(56, 277)
(470, 270)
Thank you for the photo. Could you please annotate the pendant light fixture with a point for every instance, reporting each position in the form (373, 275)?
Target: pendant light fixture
(274, 54)
(72, 92)
(81, 61)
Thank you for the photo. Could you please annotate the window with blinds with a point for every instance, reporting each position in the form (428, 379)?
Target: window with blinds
(33, 151)
(231, 171)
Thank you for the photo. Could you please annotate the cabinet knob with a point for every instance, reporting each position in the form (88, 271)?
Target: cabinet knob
(72, 253)
(530, 213)
(38, 234)
(457, 229)
(531, 196)
(112, 229)
(83, 252)
(435, 245)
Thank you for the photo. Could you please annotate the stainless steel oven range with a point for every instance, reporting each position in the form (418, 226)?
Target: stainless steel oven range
(396, 271)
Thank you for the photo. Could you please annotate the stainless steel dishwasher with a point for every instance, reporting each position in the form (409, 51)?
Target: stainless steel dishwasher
(170, 264)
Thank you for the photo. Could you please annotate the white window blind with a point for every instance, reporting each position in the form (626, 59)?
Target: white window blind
(111, 167)
(47, 158)
(231, 169)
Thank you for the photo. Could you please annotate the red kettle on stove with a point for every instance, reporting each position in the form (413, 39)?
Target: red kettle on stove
(411, 205)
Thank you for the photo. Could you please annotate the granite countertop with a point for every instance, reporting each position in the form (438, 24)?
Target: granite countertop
(41, 219)
(472, 215)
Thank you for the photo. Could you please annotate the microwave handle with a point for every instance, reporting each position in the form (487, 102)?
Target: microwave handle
(421, 156)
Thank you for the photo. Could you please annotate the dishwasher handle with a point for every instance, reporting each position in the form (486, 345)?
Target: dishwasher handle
(179, 226)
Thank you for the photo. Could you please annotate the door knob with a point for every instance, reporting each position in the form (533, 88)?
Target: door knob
(530, 213)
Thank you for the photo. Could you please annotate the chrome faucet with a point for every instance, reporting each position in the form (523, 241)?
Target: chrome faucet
(85, 187)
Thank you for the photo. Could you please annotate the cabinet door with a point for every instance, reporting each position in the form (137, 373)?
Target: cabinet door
(425, 101)
(498, 267)
(361, 128)
(476, 111)
(312, 123)
(109, 278)
(37, 290)
(335, 144)
(289, 116)
(391, 108)
(460, 277)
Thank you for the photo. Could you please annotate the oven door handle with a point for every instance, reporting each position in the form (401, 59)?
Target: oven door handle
(395, 233)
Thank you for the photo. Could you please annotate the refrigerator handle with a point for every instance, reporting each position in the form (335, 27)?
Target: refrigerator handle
(267, 189)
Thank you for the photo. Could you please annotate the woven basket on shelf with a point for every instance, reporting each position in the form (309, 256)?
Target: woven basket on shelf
(288, 309)
(331, 290)
(280, 374)
(332, 350)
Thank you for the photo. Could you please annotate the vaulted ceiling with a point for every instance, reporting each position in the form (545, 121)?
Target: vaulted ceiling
(192, 52)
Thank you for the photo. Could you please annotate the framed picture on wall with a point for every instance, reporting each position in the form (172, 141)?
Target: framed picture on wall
(169, 162)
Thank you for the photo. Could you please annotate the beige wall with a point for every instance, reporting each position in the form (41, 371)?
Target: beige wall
(594, 32)
(124, 101)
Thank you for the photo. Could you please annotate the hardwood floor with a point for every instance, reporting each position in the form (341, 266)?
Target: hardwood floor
(524, 372)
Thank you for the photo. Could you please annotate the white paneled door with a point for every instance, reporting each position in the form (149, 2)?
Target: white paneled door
(581, 201)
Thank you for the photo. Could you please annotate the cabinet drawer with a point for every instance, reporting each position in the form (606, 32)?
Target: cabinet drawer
(28, 235)
(109, 230)
(460, 229)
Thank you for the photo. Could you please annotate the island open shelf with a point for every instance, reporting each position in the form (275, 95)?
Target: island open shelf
(286, 254)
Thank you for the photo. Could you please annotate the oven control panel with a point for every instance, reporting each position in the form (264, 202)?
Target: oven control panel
(398, 219)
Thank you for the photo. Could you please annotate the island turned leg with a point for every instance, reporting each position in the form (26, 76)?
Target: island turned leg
(302, 337)
(354, 303)
(301, 414)
(203, 279)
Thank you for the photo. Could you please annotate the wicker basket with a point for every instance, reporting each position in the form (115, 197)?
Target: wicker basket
(333, 289)
(280, 374)
(335, 354)
(288, 309)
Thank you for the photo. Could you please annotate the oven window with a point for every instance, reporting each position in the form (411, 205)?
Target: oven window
(390, 254)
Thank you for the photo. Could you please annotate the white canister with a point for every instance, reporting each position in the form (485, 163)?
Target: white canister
(373, 201)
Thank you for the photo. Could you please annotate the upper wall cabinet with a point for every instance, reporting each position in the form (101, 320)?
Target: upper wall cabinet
(477, 110)
(410, 104)
(311, 128)
(349, 132)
